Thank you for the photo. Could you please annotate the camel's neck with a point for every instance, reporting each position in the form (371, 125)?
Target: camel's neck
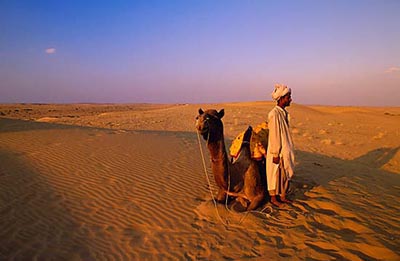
(219, 158)
(217, 150)
(219, 162)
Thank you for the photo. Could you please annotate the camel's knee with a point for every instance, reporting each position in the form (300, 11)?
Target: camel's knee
(242, 202)
(221, 195)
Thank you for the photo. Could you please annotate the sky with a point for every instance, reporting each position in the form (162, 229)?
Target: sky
(198, 51)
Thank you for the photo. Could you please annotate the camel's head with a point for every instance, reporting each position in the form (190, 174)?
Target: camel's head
(209, 122)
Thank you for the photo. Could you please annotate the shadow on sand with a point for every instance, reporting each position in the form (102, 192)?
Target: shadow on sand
(15, 125)
(34, 218)
(316, 169)
(356, 190)
(330, 191)
(36, 221)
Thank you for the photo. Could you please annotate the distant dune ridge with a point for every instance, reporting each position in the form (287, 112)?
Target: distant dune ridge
(126, 181)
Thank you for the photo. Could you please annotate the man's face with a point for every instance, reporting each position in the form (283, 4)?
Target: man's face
(286, 100)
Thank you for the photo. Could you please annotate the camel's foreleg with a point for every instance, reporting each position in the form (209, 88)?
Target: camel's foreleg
(237, 195)
(221, 195)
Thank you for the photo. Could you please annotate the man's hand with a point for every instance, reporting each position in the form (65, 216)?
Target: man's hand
(276, 160)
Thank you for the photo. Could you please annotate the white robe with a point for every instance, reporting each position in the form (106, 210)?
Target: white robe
(279, 144)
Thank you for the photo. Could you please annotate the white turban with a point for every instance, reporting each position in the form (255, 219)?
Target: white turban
(280, 91)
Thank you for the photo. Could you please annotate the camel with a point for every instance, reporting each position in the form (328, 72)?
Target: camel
(241, 179)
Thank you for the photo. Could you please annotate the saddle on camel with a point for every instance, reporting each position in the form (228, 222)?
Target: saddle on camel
(242, 177)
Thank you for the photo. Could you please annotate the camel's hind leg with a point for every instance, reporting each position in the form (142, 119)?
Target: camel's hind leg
(253, 186)
(255, 202)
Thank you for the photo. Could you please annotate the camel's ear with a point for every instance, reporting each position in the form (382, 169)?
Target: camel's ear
(221, 113)
(201, 111)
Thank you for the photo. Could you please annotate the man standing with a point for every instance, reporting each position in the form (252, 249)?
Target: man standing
(280, 153)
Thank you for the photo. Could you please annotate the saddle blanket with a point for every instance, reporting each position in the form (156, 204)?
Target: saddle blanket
(258, 142)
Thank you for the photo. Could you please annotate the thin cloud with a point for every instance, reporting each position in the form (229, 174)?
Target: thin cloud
(50, 50)
(394, 69)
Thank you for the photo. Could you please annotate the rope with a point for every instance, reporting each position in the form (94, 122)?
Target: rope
(208, 180)
(268, 215)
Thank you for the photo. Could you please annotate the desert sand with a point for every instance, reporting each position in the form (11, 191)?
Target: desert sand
(126, 182)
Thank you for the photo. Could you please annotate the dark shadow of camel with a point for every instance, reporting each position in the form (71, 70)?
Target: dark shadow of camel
(326, 169)
(329, 188)
(377, 158)
(314, 169)
(357, 186)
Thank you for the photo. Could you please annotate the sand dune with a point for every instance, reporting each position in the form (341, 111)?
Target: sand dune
(96, 182)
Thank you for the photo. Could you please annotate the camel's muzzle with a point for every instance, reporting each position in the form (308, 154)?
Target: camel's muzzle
(202, 128)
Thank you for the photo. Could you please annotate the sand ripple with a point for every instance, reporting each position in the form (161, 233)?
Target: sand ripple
(96, 194)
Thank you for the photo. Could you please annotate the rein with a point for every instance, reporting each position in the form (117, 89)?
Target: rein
(208, 179)
(229, 184)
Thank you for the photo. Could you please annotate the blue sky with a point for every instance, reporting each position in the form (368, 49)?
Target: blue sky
(328, 52)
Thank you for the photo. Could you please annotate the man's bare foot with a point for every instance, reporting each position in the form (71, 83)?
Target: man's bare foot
(275, 202)
(285, 200)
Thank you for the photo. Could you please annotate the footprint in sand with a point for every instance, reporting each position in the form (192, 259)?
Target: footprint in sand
(327, 142)
(295, 131)
(379, 136)
(322, 132)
